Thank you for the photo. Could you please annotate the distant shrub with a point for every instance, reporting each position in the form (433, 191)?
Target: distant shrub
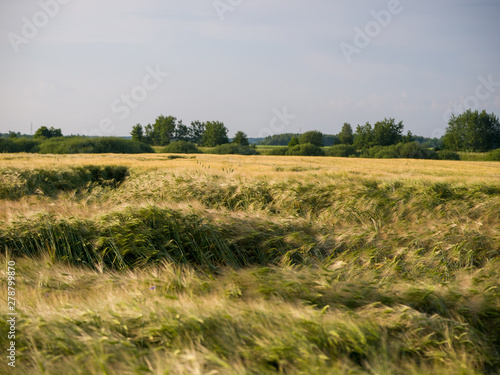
(278, 139)
(277, 151)
(181, 147)
(493, 155)
(313, 137)
(294, 142)
(330, 140)
(414, 150)
(19, 145)
(370, 152)
(233, 148)
(410, 150)
(387, 152)
(448, 155)
(382, 152)
(306, 149)
(340, 151)
(84, 145)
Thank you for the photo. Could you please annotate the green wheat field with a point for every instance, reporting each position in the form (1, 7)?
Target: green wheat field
(223, 264)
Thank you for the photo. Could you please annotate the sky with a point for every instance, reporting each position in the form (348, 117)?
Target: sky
(263, 67)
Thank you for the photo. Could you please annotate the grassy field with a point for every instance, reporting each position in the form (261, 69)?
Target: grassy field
(227, 264)
(473, 156)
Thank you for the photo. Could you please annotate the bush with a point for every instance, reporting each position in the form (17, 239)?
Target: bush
(83, 145)
(19, 145)
(387, 152)
(278, 139)
(277, 151)
(493, 155)
(294, 142)
(341, 151)
(381, 152)
(181, 147)
(448, 155)
(370, 152)
(414, 150)
(306, 149)
(233, 148)
(313, 137)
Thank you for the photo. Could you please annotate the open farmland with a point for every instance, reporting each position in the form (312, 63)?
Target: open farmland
(223, 264)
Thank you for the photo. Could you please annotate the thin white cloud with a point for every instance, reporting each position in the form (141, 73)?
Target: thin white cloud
(496, 103)
(339, 104)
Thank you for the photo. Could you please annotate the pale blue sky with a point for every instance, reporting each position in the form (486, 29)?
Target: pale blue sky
(262, 57)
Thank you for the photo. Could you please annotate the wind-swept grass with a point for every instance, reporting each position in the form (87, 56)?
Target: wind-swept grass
(15, 183)
(169, 319)
(215, 265)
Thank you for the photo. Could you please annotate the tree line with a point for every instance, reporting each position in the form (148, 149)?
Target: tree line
(167, 129)
(472, 131)
(383, 133)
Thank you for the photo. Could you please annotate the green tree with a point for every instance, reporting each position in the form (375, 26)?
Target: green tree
(196, 132)
(55, 132)
(44, 132)
(408, 137)
(472, 131)
(148, 134)
(181, 132)
(164, 130)
(330, 139)
(313, 137)
(137, 133)
(294, 142)
(215, 134)
(346, 136)
(387, 132)
(241, 139)
(278, 139)
(363, 138)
